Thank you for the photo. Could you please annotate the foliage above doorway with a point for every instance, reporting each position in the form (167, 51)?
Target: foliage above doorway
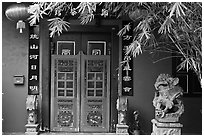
(170, 27)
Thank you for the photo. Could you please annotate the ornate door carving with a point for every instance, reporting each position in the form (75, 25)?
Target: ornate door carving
(80, 93)
(95, 93)
(65, 93)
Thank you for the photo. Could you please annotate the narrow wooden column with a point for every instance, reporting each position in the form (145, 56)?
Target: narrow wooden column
(45, 68)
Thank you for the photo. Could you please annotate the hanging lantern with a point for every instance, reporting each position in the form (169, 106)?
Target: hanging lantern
(18, 12)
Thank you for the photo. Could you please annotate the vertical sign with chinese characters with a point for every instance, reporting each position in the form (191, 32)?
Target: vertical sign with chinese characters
(33, 61)
(127, 69)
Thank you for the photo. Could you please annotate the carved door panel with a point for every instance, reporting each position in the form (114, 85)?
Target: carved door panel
(80, 84)
(80, 93)
(95, 93)
(65, 96)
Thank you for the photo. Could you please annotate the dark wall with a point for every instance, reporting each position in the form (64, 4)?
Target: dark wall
(145, 75)
(14, 62)
(192, 117)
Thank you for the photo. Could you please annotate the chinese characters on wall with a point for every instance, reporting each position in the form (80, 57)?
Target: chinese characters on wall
(127, 69)
(33, 61)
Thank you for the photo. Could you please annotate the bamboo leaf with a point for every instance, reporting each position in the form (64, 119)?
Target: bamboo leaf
(124, 29)
(183, 65)
(134, 48)
(36, 13)
(166, 26)
(177, 9)
(57, 25)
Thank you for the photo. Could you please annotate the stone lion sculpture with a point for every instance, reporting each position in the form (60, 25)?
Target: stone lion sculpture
(168, 106)
(32, 118)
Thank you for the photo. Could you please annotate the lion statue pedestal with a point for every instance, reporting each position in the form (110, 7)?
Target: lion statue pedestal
(168, 106)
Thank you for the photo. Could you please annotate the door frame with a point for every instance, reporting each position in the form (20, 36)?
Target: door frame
(45, 69)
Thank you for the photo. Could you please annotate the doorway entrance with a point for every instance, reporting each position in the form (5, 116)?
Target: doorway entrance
(80, 83)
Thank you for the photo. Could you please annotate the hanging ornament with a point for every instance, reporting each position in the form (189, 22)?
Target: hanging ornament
(20, 25)
(18, 12)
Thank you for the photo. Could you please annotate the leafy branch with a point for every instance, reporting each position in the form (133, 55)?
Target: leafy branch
(170, 27)
(56, 25)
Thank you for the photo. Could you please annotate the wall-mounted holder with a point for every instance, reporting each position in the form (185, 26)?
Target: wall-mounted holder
(18, 79)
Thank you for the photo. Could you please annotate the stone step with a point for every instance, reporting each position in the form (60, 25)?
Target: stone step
(58, 133)
(68, 133)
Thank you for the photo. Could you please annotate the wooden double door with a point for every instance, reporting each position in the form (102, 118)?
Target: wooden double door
(80, 84)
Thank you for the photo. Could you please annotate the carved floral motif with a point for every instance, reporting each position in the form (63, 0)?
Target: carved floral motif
(166, 128)
(65, 118)
(94, 118)
(167, 131)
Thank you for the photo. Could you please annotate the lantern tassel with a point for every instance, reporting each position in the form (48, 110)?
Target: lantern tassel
(20, 25)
